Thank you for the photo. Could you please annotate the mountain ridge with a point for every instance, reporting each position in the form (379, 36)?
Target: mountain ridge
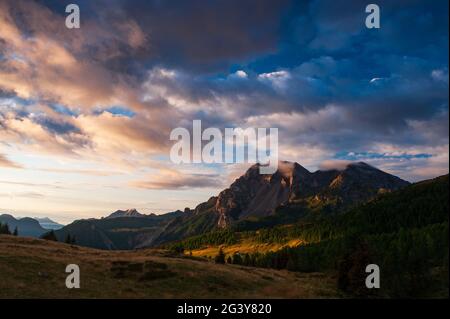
(255, 195)
(132, 212)
(251, 196)
(120, 232)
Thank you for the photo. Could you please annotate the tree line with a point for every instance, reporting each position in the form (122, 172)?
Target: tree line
(216, 238)
(4, 230)
(70, 239)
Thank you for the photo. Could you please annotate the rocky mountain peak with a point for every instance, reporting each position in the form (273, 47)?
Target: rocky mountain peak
(256, 195)
(126, 213)
(259, 194)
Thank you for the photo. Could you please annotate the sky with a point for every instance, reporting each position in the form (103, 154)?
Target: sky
(86, 114)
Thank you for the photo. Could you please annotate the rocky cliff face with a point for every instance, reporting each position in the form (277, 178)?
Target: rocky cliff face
(256, 195)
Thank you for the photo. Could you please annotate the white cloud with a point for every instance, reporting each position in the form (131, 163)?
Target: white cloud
(278, 79)
(240, 74)
(440, 75)
(334, 165)
(374, 80)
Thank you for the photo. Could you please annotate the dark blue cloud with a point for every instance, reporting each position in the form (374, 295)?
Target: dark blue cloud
(56, 126)
(62, 109)
(352, 156)
(261, 35)
(116, 110)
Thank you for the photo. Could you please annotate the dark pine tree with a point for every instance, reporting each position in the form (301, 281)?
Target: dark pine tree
(220, 258)
(68, 239)
(49, 236)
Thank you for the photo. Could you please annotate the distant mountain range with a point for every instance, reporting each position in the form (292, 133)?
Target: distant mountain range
(26, 226)
(47, 223)
(285, 196)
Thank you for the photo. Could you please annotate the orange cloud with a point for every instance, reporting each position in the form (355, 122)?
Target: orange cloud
(4, 162)
(54, 63)
(173, 179)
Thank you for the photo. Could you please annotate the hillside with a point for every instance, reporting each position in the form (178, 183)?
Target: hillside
(32, 268)
(418, 205)
(26, 226)
(117, 232)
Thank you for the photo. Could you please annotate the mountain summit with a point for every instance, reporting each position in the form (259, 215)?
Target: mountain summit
(254, 194)
(126, 213)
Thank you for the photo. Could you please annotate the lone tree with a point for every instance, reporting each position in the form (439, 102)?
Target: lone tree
(237, 259)
(16, 231)
(220, 258)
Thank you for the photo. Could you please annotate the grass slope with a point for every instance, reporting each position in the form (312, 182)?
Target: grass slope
(32, 268)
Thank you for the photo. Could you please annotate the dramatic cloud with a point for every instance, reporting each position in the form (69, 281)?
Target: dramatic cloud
(101, 101)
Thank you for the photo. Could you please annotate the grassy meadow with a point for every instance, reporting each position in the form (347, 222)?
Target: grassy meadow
(33, 268)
